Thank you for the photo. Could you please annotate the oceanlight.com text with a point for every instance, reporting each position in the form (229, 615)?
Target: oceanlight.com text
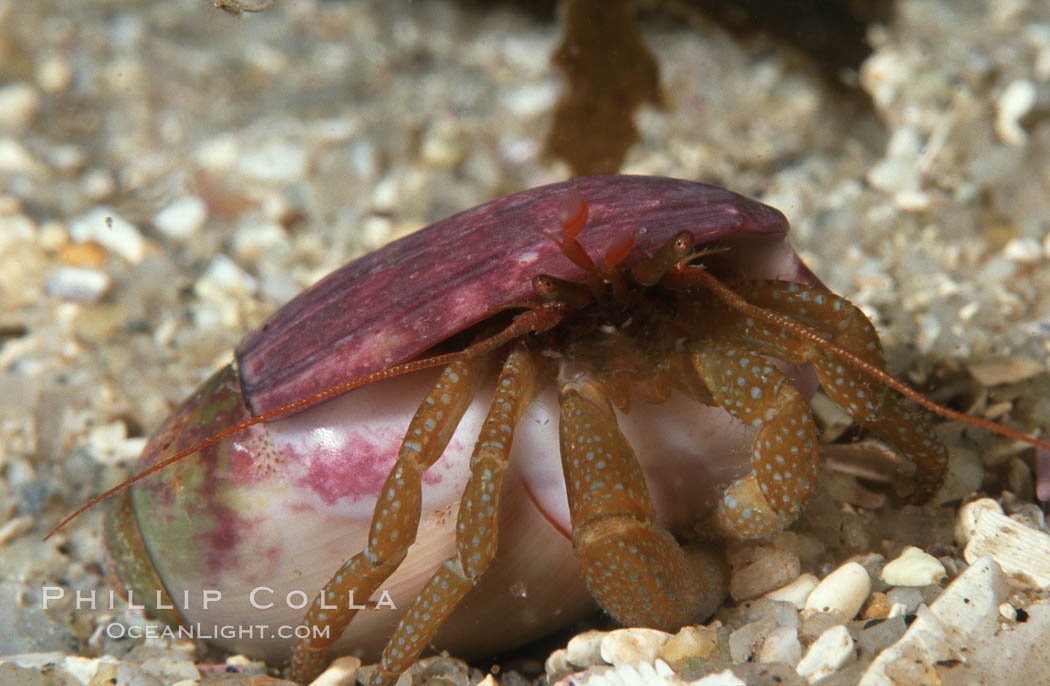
(211, 632)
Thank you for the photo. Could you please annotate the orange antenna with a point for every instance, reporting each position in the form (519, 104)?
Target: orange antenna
(699, 275)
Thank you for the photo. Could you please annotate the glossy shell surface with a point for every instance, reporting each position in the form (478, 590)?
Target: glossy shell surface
(263, 518)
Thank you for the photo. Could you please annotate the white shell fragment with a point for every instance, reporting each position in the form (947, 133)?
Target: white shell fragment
(826, 655)
(962, 638)
(796, 592)
(913, 568)
(1020, 551)
(656, 673)
(966, 518)
(557, 665)
(632, 646)
(843, 591)
(585, 649)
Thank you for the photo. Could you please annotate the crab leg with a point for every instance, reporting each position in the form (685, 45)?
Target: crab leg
(871, 404)
(395, 518)
(784, 458)
(476, 526)
(634, 569)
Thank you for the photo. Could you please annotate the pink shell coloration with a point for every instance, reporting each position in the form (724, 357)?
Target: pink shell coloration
(282, 505)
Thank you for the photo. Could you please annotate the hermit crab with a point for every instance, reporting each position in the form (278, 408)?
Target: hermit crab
(573, 392)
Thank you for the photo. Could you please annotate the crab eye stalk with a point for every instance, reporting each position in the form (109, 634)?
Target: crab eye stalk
(575, 295)
(649, 271)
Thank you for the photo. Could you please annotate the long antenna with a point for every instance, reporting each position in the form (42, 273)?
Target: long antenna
(734, 300)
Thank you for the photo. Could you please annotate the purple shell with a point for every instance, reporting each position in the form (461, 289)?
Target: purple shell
(392, 304)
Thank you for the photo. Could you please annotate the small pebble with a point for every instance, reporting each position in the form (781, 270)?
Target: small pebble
(182, 218)
(1020, 481)
(342, 672)
(689, 642)
(877, 606)
(15, 527)
(878, 635)
(998, 372)
(16, 159)
(785, 613)
(102, 225)
(273, 162)
(907, 597)
(796, 592)
(89, 254)
(67, 158)
(441, 147)
(913, 567)
(843, 591)
(54, 73)
(51, 235)
(19, 103)
(110, 444)
(253, 239)
(894, 175)
(242, 663)
(1015, 102)
(965, 473)
(224, 276)
(781, 645)
(365, 159)
(219, 153)
(77, 284)
(827, 654)
(771, 570)
(746, 641)
(816, 623)
(632, 646)
(97, 184)
(1025, 250)
(723, 678)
